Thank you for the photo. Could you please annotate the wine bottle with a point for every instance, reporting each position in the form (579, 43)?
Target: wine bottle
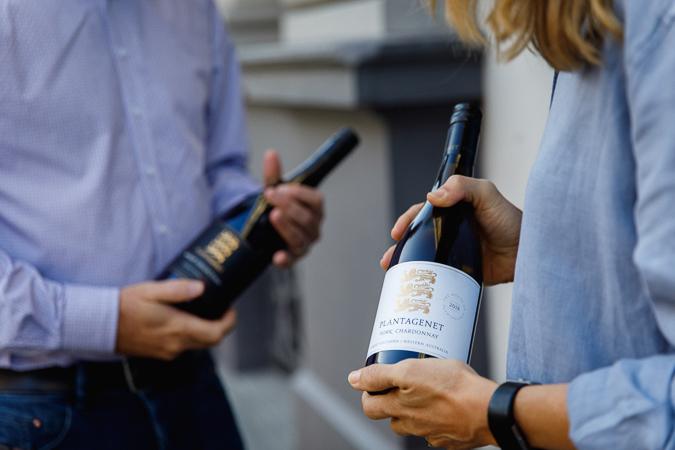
(432, 289)
(237, 247)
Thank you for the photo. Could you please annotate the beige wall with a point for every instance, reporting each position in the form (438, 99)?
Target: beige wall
(517, 98)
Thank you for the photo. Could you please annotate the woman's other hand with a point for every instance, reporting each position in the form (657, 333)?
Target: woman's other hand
(498, 220)
(443, 401)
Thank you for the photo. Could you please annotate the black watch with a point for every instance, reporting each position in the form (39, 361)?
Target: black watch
(501, 421)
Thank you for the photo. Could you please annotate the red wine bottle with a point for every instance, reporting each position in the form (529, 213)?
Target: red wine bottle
(432, 289)
(237, 247)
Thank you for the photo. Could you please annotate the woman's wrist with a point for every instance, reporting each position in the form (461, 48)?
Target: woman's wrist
(541, 413)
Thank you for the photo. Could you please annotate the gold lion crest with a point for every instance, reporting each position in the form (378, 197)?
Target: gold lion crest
(416, 291)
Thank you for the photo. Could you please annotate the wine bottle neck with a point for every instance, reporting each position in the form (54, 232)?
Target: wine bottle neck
(324, 160)
(460, 151)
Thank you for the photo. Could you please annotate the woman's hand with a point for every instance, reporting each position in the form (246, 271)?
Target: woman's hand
(498, 220)
(443, 401)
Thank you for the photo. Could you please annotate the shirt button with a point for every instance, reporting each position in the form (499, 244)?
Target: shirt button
(121, 52)
(136, 112)
(163, 229)
(150, 171)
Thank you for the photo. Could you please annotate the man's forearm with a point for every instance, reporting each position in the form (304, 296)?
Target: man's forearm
(41, 316)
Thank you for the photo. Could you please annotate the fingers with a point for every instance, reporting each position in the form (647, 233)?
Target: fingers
(297, 217)
(480, 193)
(296, 238)
(271, 168)
(404, 427)
(459, 188)
(378, 407)
(456, 189)
(440, 441)
(171, 291)
(228, 322)
(185, 332)
(386, 258)
(297, 213)
(397, 232)
(283, 259)
(398, 427)
(404, 221)
(287, 194)
(200, 333)
(377, 377)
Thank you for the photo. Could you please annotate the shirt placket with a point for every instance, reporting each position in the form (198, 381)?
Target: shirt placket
(132, 77)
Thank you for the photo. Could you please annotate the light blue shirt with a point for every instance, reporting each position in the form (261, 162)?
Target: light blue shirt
(594, 299)
(121, 136)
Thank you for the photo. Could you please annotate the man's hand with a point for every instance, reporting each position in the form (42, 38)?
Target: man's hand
(498, 222)
(150, 327)
(444, 401)
(297, 215)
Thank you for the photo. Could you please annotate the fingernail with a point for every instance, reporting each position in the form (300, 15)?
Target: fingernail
(354, 377)
(436, 194)
(269, 192)
(196, 287)
(275, 214)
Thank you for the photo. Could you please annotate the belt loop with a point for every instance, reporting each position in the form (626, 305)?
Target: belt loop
(129, 376)
(80, 385)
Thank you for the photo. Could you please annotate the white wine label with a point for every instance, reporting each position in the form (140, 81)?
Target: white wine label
(426, 308)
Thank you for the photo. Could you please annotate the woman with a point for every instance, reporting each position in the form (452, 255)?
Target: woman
(594, 296)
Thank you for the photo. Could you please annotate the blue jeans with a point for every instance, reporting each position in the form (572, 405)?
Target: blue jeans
(194, 416)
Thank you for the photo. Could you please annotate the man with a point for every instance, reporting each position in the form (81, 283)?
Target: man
(122, 136)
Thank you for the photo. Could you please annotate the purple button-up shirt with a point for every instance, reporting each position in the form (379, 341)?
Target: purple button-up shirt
(122, 134)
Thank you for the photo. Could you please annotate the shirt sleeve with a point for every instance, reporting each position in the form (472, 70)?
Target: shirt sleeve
(40, 316)
(632, 403)
(228, 144)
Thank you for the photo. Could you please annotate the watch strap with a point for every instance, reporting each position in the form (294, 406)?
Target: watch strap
(501, 419)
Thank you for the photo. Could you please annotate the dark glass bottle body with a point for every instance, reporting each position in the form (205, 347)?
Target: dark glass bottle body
(444, 236)
(236, 248)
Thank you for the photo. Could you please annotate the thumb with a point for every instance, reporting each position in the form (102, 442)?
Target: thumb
(172, 291)
(456, 189)
(375, 378)
(480, 193)
(271, 168)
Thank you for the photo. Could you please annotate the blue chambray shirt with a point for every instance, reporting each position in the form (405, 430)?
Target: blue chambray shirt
(594, 294)
(121, 135)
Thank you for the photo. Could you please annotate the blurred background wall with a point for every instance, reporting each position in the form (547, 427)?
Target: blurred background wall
(390, 71)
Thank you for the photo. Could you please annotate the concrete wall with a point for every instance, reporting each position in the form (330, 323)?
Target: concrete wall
(340, 281)
(340, 278)
(517, 97)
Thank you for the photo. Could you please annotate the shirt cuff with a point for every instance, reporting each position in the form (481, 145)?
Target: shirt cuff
(627, 405)
(583, 395)
(90, 319)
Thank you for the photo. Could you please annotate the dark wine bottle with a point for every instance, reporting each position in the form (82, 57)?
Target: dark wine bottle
(432, 289)
(237, 247)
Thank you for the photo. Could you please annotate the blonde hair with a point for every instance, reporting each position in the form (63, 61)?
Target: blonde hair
(567, 33)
